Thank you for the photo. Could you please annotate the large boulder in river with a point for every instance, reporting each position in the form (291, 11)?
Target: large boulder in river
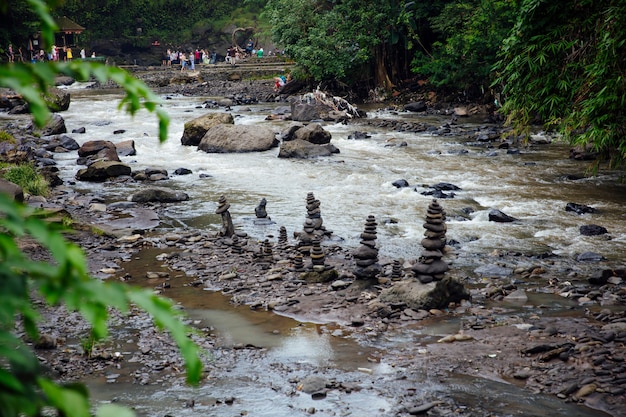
(418, 296)
(313, 133)
(225, 138)
(303, 149)
(159, 195)
(94, 150)
(305, 112)
(57, 99)
(103, 170)
(196, 129)
(54, 126)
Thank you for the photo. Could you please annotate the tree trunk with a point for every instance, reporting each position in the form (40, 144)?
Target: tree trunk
(381, 75)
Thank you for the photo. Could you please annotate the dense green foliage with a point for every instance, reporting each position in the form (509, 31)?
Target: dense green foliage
(24, 388)
(470, 34)
(348, 40)
(563, 65)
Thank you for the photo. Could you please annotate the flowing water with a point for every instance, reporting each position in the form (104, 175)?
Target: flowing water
(532, 187)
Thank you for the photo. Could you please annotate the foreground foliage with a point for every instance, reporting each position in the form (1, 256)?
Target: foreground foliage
(24, 389)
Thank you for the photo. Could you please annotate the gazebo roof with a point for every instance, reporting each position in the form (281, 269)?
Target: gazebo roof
(67, 25)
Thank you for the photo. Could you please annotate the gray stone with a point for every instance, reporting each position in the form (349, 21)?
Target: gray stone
(224, 138)
(418, 296)
(195, 129)
(313, 133)
(159, 195)
(14, 191)
(126, 148)
(302, 149)
(103, 170)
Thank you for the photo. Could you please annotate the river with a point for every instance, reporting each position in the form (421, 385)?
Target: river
(533, 186)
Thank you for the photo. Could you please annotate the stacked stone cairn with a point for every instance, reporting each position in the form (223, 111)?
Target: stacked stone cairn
(237, 246)
(317, 255)
(430, 267)
(313, 211)
(366, 255)
(396, 270)
(282, 236)
(227, 229)
(298, 263)
(260, 210)
(307, 236)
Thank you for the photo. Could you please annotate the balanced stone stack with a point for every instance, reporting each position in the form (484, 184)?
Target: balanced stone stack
(307, 236)
(396, 270)
(260, 211)
(366, 255)
(313, 211)
(227, 222)
(430, 267)
(298, 263)
(317, 255)
(282, 236)
(237, 246)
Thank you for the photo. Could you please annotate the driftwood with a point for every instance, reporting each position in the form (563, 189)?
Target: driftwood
(334, 102)
(234, 38)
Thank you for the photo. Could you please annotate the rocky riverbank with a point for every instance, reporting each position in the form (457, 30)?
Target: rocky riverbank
(575, 354)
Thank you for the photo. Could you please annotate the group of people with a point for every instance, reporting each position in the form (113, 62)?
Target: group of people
(188, 60)
(56, 53)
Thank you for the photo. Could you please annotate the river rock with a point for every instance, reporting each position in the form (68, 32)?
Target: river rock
(57, 99)
(579, 208)
(313, 133)
(592, 230)
(225, 138)
(493, 271)
(500, 217)
(400, 183)
(14, 191)
(126, 148)
(590, 257)
(159, 195)
(103, 170)
(303, 149)
(304, 112)
(289, 133)
(61, 141)
(418, 296)
(54, 126)
(93, 150)
(195, 129)
(418, 106)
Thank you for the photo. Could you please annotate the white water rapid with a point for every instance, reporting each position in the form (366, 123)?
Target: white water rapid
(532, 187)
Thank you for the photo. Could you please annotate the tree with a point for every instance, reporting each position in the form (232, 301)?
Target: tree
(470, 34)
(563, 65)
(352, 41)
(24, 390)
